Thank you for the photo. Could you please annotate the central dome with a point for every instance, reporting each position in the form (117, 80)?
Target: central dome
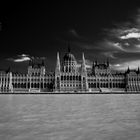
(69, 57)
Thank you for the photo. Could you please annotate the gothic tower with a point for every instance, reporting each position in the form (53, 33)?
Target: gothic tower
(84, 74)
(57, 74)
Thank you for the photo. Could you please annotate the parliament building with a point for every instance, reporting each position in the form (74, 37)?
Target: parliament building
(70, 77)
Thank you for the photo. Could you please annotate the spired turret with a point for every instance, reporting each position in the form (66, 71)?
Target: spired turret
(57, 74)
(128, 70)
(84, 82)
(83, 68)
(57, 68)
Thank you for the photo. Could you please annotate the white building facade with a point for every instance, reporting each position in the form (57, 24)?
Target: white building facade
(69, 76)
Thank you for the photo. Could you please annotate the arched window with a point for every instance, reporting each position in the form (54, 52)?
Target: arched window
(61, 77)
(35, 85)
(66, 69)
(92, 85)
(24, 85)
(69, 69)
(110, 85)
(101, 85)
(28, 85)
(41, 85)
(67, 77)
(15, 85)
(18, 85)
(73, 77)
(45, 85)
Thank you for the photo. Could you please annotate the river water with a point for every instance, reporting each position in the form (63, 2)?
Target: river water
(70, 117)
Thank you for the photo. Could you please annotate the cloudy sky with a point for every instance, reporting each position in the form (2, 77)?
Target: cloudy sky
(103, 30)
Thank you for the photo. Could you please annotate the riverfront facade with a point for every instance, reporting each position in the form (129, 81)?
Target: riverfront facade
(69, 76)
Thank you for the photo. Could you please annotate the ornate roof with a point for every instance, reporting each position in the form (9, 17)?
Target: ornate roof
(69, 57)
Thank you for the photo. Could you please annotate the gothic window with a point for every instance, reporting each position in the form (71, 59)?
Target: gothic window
(66, 69)
(101, 85)
(89, 85)
(37, 85)
(110, 85)
(45, 85)
(73, 77)
(67, 77)
(24, 85)
(28, 85)
(18, 85)
(15, 85)
(92, 85)
(61, 77)
(41, 85)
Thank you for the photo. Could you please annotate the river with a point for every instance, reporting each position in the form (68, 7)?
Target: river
(70, 117)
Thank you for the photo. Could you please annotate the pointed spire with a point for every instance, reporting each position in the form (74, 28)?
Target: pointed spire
(128, 70)
(58, 63)
(83, 58)
(83, 63)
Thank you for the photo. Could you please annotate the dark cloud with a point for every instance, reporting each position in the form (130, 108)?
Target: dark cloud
(105, 30)
(122, 43)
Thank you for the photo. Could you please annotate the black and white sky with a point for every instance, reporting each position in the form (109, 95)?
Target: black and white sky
(102, 30)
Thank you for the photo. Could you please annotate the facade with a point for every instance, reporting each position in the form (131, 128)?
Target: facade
(69, 76)
(6, 82)
(36, 79)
